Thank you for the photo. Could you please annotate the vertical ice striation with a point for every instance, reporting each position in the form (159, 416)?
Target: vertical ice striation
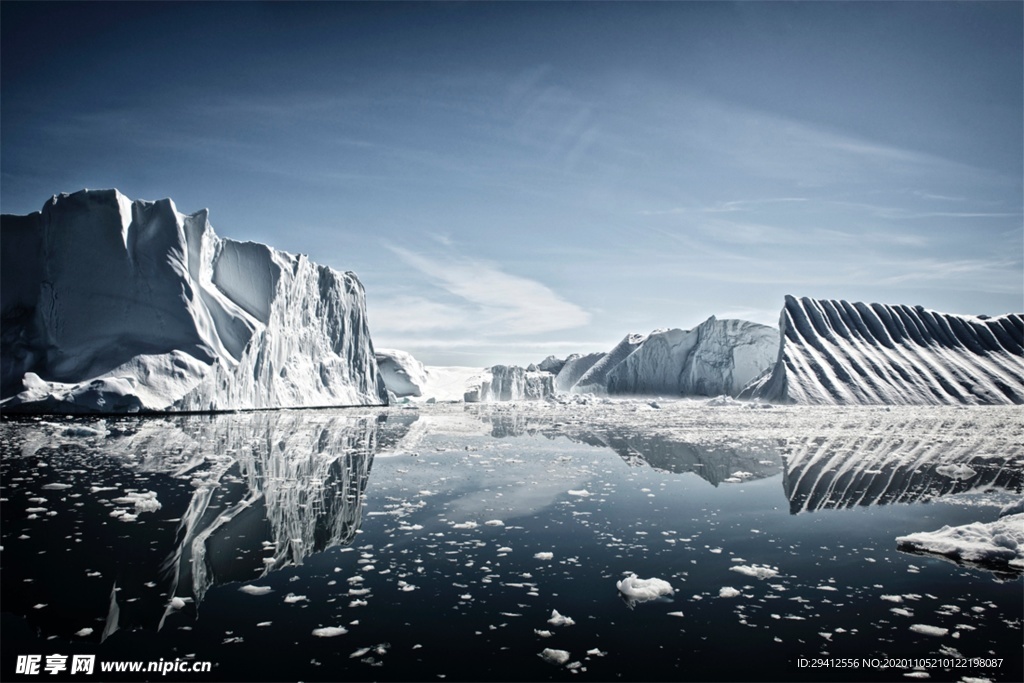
(837, 352)
(114, 305)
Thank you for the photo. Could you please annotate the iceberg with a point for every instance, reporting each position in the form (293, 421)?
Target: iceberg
(836, 352)
(997, 545)
(112, 305)
(717, 357)
(403, 375)
(512, 383)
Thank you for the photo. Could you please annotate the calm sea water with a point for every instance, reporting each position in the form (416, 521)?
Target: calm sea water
(438, 543)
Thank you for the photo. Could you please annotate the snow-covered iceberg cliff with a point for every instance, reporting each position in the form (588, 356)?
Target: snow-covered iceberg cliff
(403, 375)
(716, 357)
(836, 352)
(114, 305)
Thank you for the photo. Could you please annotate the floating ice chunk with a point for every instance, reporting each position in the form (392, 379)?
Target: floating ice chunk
(675, 614)
(996, 543)
(465, 525)
(144, 501)
(543, 556)
(543, 634)
(82, 633)
(359, 653)
(596, 653)
(56, 487)
(759, 571)
(728, 592)
(929, 630)
(504, 549)
(957, 471)
(263, 624)
(256, 590)
(582, 493)
(330, 631)
(893, 598)
(292, 598)
(902, 611)
(559, 619)
(551, 656)
(494, 522)
(642, 590)
(177, 603)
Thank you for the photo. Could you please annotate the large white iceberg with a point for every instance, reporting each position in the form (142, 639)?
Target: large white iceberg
(717, 357)
(837, 352)
(114, 305)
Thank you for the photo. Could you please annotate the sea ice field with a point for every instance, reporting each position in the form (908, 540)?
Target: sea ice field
(575, 539)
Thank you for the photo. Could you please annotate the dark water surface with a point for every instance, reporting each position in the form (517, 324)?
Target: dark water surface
(436, 543)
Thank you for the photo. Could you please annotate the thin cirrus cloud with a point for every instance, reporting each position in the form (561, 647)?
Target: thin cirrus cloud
(476, 295)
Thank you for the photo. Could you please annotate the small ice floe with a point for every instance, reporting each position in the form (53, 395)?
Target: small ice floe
(582, 493)
(675, 614)
(902, 611)
(643, 590)
(82, 633)
(760, 571)
(56, 487)
(178, 603)
(543, 556)
(929, 630)
(494, 522)
(256, 590)
(264, 624)
(544, 633)
(558, 657)
(728, 592)
(504, 549)
(144, 501)
(292, 598)
(959, 471)
(893, 598)
(329, 631)
(596, 653)
(465, 525)
(559, 619)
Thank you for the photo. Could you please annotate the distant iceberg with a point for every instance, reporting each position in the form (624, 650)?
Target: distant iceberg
(716, 357)
(837, 352)
(113, 305)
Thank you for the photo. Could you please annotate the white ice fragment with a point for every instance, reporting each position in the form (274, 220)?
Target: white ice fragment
(551, 656)
(756, 570)
(675, 614)
(728, 592)
(642, 590)
(929, 630)
(559, 619)
(494, 522)
(82, 633)
(256, 590)
(543, 556)
(582, 493)
(292, 598)
(329, 631)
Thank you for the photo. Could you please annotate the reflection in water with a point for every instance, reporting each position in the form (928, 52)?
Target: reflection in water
(867, 458)
(917, 461)
(268, 489)
(716, 460)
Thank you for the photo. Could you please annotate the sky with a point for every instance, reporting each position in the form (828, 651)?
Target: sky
(516, 180)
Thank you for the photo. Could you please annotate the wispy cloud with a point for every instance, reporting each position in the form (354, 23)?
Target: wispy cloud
(482, 297)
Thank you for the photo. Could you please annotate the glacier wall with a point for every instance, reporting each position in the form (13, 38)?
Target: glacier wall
(114, 305)
(837, 352)
(513, 383)
(717, 357)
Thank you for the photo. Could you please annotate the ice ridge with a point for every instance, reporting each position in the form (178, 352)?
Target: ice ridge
(112, 305)
(837, 352)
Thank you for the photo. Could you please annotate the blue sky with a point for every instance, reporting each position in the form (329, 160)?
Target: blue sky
(512, 180)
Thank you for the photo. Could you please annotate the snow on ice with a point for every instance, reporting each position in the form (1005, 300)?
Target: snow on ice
(113, 305)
